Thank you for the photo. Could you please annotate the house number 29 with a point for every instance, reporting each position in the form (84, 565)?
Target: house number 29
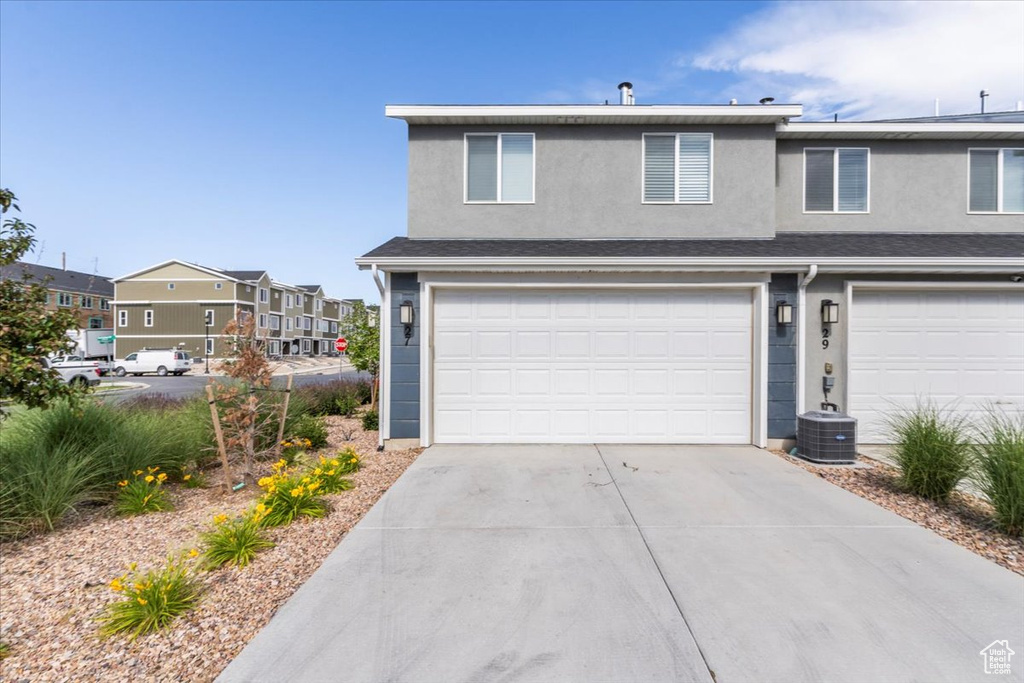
(825, 333)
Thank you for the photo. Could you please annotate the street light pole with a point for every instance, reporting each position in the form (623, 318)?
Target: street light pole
(206, 348)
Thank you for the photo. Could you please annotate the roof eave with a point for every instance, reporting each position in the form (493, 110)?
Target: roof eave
(593, 113)
(900, 131)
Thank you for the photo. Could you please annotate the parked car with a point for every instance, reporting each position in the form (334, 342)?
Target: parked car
(161, 361)
(62, 361)
(76, 372)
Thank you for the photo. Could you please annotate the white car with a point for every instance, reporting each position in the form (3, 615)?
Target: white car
(161, 361)
(75, 372)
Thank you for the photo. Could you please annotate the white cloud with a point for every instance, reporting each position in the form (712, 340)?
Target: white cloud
(875, 59)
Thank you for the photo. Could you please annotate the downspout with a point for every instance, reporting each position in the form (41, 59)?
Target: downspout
(380, 354)
(801, 337)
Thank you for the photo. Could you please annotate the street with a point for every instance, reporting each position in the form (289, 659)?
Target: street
(191, 384)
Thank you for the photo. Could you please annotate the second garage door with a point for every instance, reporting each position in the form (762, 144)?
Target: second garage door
(582, 366)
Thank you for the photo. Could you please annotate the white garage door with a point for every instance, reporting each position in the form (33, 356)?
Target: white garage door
(962, 349)
(592, 366)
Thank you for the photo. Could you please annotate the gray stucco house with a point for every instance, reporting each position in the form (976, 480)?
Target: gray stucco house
(696, 273)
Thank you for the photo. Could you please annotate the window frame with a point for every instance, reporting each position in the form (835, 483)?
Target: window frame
(497, 194)
(209, 346)
(262, 321)
(835, 183)
(218, 285)
(87, 302)
(211, 315)
(675, 169)
(61, 296)
(288, 323)
(999, 182)
(147, 317)
(261, 298)
(122, 318)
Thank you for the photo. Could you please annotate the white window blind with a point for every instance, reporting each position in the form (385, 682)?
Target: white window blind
(677, 168)
(499, 167)
(836, 180)
(996, 183)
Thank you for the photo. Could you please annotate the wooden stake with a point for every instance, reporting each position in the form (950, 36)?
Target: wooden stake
(284, 414)
(228, 482)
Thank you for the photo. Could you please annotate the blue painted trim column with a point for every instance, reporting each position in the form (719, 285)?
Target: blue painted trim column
(782, 360)
(405, 359)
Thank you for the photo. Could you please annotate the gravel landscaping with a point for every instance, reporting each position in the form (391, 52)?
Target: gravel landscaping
(965, 519)
(52, 586)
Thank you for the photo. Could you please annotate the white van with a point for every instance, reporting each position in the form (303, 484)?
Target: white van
(161, 361)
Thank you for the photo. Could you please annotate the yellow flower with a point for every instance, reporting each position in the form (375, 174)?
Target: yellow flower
(142, 601)
(317, 472)
(139, 587)
(123, 482)
(116, 585)
(265, 481)
(186, 477)
(138, 472)
(334, 462)
(297, 491)
(354, 460)
(162, 477)
(193, 553)
(146, 499)
(220, 519)
(149, 478)
(153, 469)
(314, 486)
(330, 473)
(132, 566)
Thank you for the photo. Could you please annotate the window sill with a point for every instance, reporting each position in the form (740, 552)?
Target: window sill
(707, 203)
(469, 203)
(995, 213)
(837, 213)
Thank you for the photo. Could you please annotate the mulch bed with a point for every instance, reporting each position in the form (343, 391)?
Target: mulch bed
(964, 519)
(52, 586)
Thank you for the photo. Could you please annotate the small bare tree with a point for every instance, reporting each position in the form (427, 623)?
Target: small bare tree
(246, 414)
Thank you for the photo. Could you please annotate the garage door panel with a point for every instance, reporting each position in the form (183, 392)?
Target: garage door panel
(962, 350)
(603, 366)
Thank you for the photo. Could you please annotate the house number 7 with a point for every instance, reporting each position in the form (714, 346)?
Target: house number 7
(825, 332)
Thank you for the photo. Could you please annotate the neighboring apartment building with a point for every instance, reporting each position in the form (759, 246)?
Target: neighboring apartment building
(696, 274)
(169, 305)
(90, 294)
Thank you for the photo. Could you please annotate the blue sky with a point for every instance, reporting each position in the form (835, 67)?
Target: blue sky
(137, 132)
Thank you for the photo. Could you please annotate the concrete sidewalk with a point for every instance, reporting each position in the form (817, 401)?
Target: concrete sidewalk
(638, 563)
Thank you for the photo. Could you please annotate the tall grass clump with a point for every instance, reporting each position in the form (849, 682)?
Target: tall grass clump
(40, 484)
(236, 541)
(151, 600)
(932, 449)
(333, 397)
(999, 468)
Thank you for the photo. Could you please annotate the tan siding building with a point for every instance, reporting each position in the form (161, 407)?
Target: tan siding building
(167, 306)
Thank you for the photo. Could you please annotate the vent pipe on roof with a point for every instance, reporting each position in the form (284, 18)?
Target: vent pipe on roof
(626, 93)
(766, 100)
(63, 260)
(734, 101)
(936, 106)
(982, 95)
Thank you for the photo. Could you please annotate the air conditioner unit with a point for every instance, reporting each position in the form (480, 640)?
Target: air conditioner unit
(826, 437)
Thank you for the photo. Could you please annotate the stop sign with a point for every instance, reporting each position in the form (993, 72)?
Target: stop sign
(340, 344)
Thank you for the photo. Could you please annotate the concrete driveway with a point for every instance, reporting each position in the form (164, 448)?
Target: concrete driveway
(636, 563)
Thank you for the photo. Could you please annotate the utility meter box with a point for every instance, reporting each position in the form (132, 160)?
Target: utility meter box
(826, 437)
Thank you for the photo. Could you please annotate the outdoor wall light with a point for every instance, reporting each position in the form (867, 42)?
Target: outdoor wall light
(406, 315)
(829, 311)
(784, 313)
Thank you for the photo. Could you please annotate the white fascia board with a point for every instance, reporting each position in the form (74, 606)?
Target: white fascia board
(285, 285)
(624, 113)
(805, 129)
(203, 269)
(844, 264)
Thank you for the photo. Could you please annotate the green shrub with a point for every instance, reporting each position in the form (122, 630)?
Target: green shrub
(322, 398)
(5, 650)
(371, 421)
(330, 472)
(311, 429)
(932, 450)
(142, 494)
(40, 484)
(999, 470)
(235, 541)
(347, 404)
(292, 449)
(150, 601)
(348, 460)
(194, 480)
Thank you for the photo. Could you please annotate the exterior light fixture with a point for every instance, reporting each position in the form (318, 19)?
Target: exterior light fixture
(784, 313)
(406, 315)
(829, 311)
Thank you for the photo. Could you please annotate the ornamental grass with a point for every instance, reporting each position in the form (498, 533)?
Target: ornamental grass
(151, 600)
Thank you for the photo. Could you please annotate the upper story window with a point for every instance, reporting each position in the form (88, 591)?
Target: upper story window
(996, 183)
(264, 295)
(122, 318)
(836, 180)
(499, 168)
(87, 302)
(104, 304)
(263, 320)
(148, 318)
(64, 299)
(288, 300)
(677, 168)
(275, 322)
(288, 324)
(218, 285)
(299, 300)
